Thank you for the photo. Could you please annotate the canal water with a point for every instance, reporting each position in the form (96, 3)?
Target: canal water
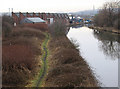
(101, 50)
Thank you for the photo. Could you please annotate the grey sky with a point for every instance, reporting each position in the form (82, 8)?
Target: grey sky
(50, 5)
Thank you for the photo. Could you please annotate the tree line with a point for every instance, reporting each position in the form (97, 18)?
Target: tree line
(108, 15)
(7, 25)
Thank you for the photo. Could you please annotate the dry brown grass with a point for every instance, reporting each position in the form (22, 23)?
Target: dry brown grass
(19, 55)
(18, 60)
(40, 26)
(67, 67)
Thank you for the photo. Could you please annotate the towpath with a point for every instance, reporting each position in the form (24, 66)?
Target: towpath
(44, 58)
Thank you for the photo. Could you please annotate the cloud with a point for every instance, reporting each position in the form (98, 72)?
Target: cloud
(49, 5)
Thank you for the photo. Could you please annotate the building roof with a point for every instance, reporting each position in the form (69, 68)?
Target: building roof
(24, 14)
(17, 14)
(32, 20)
(46, 14)
(37, 14)
(31, 14)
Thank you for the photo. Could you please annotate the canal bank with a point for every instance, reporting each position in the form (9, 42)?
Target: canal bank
(108, 29)
(66, 67)
(101, 51)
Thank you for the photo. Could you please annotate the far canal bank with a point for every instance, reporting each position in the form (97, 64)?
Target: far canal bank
(107, 29)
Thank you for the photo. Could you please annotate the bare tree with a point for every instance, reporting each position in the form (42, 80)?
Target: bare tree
(108, 15)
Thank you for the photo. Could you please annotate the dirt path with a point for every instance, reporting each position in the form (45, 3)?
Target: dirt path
(44, 67)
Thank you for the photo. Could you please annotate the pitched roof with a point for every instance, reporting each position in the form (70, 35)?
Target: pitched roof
(32, 20)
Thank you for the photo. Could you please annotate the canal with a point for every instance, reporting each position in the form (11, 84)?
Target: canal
(101, 50)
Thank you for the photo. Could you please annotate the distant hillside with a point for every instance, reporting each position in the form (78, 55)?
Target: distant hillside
(86, 12)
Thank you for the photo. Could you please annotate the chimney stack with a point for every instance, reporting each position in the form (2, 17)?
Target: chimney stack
(12, 9)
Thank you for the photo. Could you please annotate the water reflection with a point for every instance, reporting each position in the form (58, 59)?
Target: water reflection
(77, 26)
(108, 43)
(91, 43)
(81, 25)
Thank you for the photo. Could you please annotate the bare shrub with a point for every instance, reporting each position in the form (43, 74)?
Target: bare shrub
(117, 24)
(57, 29)
(8, 19)
(6, 29)
(40, 26)
(15, 62)
(7, 23)
(75, 43)
(20, 53)
(27, 32)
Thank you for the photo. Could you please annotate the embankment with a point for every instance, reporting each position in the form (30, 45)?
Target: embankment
(66, 67)
(108, 29)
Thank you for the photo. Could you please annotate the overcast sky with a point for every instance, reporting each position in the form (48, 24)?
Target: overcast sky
(50, 5)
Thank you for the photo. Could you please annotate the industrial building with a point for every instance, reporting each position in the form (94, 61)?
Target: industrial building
(48, 18)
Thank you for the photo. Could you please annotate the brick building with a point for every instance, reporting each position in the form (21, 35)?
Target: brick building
(18, 17)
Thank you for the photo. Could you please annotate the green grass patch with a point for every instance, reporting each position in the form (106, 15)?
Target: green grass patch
(44, 44)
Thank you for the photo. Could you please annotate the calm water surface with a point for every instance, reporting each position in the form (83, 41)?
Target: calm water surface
(101, 50)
